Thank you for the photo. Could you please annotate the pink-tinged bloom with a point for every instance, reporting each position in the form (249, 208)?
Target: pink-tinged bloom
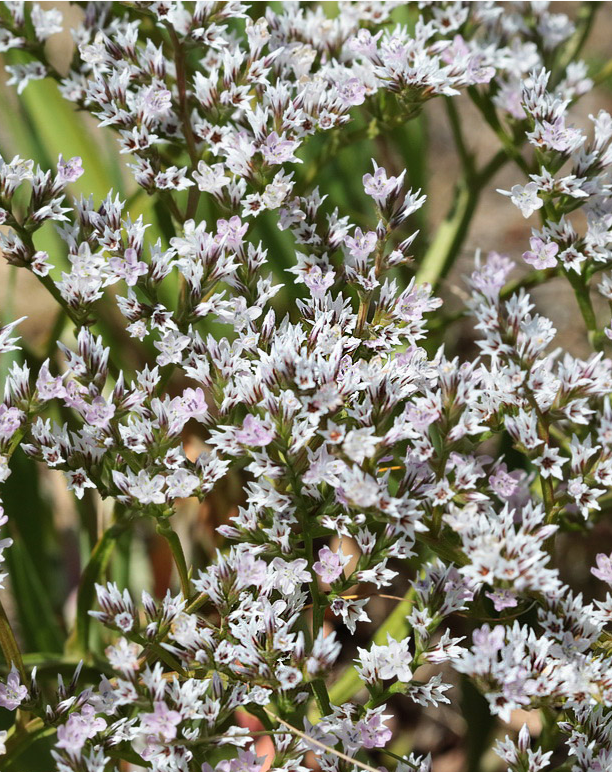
(491, 276)
(604, 568)
(361, 244)
(12, 693)
(317, 281)
(250, 571)
(79, 728)
(254, 432)
(128, 267)
(502, 599)
(330, 564)
(246, 761)
(276, 150)
(504, 483)
(192, 404)
(352, 92)
(69, 171)
(10, 421)
(374, 733)
(162, 721)
(542, 254)
(378, 185)
(123, 656)
(559, 137)
(99, 413)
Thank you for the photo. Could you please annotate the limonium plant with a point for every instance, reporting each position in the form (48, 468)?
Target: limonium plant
(368, 457)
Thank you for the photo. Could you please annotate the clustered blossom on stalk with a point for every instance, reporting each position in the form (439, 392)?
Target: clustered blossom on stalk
(361, 448)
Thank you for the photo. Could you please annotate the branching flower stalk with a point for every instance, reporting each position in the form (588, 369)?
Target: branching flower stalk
(249, 330)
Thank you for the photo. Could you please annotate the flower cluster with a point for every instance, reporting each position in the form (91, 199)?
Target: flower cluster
(371, 461)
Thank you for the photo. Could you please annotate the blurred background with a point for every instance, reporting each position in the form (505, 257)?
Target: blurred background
(54, 533)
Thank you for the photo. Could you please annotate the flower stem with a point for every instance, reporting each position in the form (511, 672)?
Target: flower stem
(165, 529)
(93, 572)
(10, 647)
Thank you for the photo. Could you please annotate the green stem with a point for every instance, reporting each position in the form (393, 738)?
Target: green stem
(583, 298)
(165, 529)
(10, 647)
(452, 232)
(181, 81)
(93, 572)
(20, 741)
(467, 158)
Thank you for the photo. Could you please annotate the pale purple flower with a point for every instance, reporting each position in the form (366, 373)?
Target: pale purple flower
(559, 137)
(277, 150)
(490, 277)
(10, 421)
(12, 693)
(250, 571)
(289, 576)
(542, 254)
(254, 432)
(317, 281)
(504, 483)
(604, 568)
(246, 761)
(70, 170)
(352, 92)
(330, 565)
(502, 599)
(99, 413)
(79, 728)
(361, 244)
(162, 721)
(129, 267)
(378, 185)
(157, 102)
(192, 404)
(372, 730)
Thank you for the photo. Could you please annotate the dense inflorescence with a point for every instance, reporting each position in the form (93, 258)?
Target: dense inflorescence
(347, 427)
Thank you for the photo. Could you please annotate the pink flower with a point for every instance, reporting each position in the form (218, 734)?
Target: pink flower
(542, 254)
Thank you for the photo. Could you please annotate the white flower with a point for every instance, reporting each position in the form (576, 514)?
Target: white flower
(524, 197)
